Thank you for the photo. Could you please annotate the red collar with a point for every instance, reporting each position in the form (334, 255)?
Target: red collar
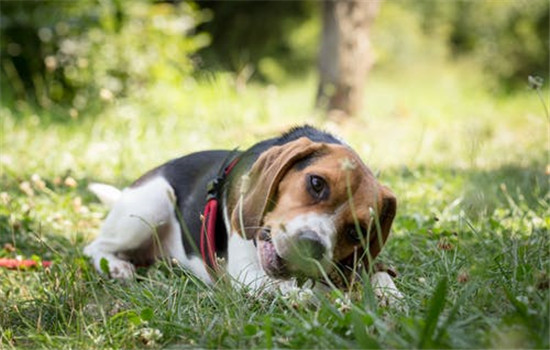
(208, 227)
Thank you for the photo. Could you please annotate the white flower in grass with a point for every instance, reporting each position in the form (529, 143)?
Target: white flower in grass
(343, 304)
(5, 198)
(297, 296)
(106, 94)
(149, 336)
(70, 182)
(99, 340)
(25, 186)
(522, 299)
(38, 182)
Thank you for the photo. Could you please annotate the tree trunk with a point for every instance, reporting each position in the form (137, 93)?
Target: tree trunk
(345, 57)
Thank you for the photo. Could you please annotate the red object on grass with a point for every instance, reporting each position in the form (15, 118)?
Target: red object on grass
(16, 264)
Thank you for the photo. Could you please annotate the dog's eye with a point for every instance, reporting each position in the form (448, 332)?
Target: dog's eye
(317, 187)
(317, 184)
(354, 235)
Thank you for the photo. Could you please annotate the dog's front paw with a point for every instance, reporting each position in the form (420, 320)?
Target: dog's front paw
(121, 269)
(114, 267)
(386, 291)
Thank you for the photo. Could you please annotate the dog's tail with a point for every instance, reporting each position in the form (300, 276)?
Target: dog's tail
(107, 194)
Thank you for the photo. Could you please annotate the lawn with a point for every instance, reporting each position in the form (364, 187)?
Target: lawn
(470, 242)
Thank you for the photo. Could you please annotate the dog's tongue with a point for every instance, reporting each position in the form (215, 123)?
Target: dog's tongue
(271, 261)
(269, 255)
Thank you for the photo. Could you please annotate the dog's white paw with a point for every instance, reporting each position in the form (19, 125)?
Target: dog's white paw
(384, 288)
(114, 267)
(121, 269)
(110, 264)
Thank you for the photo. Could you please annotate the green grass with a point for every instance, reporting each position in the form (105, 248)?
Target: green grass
(470, 242)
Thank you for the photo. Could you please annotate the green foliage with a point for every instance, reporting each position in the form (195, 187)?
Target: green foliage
(78, 53)
(77, 57)
(398, 39)
(274, 38)
(505, 39)
(508, 39)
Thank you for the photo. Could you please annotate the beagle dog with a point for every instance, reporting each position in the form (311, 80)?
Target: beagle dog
(296, 207)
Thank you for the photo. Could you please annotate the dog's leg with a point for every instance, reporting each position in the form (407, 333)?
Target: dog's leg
(133, 224)
(172, 247)
(243, 264)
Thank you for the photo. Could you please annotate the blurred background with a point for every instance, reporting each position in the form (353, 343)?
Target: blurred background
(409, 82)
(446, 101)
(59, 55)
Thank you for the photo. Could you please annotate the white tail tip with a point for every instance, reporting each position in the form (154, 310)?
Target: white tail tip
(107, 194)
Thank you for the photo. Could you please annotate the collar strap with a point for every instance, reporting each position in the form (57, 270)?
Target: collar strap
(208, 227)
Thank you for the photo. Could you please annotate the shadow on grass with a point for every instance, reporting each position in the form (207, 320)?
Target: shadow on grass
(512, 186)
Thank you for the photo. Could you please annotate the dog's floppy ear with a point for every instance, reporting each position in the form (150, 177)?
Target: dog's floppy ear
(263, 179)
(377, 235)
(380, 230)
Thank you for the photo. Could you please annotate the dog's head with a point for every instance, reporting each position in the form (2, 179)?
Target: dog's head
(311, 207)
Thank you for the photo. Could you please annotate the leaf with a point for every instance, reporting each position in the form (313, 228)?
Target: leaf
(436, 306)
(130, 315)
(104, 266)
(134, 319)
(146, 314)
(250, 330)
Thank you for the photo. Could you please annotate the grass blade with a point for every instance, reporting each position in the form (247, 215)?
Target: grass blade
(364, 340)
(268, 333)
(437, 304)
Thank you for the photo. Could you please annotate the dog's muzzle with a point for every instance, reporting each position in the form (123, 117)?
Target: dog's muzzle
(305, 254)
(301, 254)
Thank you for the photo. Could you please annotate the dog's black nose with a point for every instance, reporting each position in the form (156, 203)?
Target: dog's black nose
(310, 245)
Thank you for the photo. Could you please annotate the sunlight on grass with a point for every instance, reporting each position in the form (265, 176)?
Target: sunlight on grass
(467, 168)
(439, 122)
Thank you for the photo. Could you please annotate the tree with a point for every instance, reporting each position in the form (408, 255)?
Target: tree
(345, 54)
